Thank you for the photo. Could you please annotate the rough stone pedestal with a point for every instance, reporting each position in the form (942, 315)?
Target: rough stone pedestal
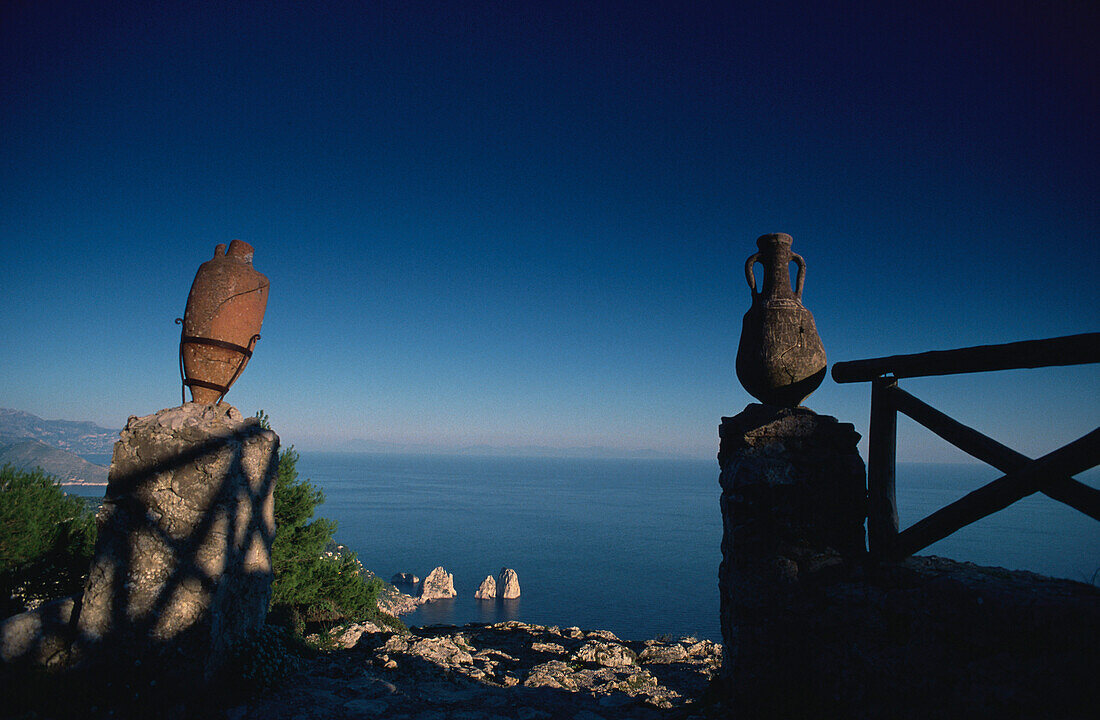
(182, 568)
(813, 629)
(793, 505)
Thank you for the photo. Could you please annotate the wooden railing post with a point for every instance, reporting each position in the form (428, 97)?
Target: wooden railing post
(882, 511)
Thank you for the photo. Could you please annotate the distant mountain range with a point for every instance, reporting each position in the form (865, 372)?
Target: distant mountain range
(66, 467)
(587, 452)
(80, 451)
(62, 448)
(79, 438)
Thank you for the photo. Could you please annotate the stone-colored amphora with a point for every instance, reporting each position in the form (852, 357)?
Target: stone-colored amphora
(221, 324)
(780, 359)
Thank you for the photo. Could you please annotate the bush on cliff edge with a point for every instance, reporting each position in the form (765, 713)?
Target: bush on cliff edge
(46, 540)
(310, 583)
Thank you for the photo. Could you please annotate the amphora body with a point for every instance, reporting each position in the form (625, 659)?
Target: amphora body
(221, 325)
(780, 359)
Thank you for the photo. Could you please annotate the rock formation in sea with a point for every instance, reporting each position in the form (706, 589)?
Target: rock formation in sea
(437, 585)
(508, 584)
(487, 590)
(404, 579)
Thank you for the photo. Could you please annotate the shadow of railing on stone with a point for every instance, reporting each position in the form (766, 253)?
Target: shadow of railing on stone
(158, 615)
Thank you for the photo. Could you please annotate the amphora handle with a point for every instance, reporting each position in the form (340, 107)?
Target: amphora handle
(800, 279)
(753, 259)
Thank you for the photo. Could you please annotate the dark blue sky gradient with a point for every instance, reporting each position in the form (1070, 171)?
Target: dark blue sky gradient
(514, 224)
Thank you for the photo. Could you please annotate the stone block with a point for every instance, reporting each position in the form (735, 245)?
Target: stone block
(41, 636)
(812, 627)
(793, 505)
(182, 568)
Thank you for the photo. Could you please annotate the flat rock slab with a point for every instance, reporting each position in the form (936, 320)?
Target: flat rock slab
(505, 670)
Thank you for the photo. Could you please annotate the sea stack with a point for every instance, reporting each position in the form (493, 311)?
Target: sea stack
(508, 584)
(488, 589)
(438, 585)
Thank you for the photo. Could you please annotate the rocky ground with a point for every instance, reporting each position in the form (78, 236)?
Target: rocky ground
(507, 670)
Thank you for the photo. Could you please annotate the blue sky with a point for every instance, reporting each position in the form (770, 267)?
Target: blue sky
(505, 224)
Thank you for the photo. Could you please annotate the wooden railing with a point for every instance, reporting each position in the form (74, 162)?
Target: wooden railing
(1051, 474)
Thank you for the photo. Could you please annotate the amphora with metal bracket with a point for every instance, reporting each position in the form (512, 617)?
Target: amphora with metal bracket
(221, 324)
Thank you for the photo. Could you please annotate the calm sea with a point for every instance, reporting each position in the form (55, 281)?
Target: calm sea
(631, 546)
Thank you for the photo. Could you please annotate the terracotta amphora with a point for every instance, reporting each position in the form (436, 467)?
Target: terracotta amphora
(221, 324)
(780, 359)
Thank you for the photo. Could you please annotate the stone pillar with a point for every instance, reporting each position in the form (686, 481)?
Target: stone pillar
(793, 505)
(182, 568)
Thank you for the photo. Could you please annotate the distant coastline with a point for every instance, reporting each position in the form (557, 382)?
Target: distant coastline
(363, 446)
(76, 453)
(70, 469)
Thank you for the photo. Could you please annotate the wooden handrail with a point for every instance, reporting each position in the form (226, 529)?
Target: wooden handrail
(1052, 474)
(1067, 350)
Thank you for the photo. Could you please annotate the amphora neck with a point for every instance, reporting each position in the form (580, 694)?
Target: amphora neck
(775, 256)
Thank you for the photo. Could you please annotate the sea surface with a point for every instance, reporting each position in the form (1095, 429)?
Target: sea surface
(630, 546)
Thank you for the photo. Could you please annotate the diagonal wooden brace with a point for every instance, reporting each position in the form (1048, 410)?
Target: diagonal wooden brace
(1077, 456)
(1063, 488)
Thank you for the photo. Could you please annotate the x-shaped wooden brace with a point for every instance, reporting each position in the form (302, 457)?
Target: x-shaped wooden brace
(1050, 474)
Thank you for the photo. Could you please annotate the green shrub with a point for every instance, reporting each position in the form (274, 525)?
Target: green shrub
(46, 540)
(263, 659)
(312, 581)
